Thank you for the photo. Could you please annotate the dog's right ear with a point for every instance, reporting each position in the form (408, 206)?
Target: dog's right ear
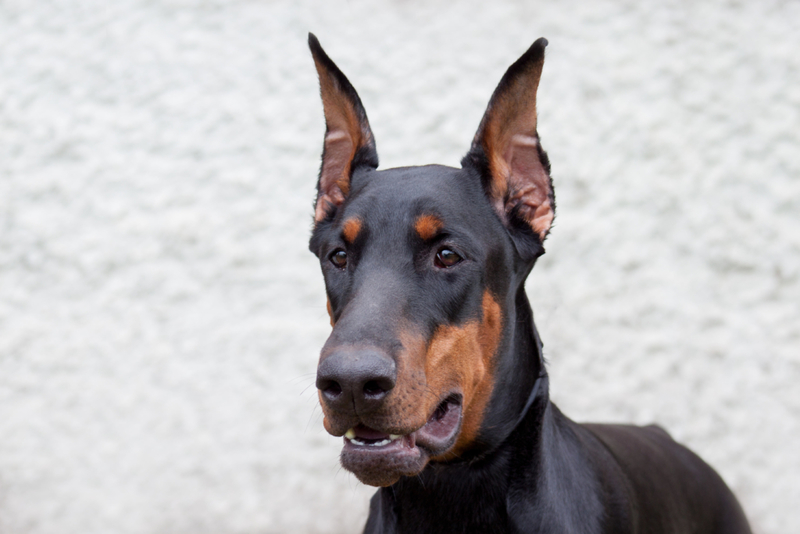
(348, 138)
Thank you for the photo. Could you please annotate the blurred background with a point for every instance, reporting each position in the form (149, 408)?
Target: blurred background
(160, 315)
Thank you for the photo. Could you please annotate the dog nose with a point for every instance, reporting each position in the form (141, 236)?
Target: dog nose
(352, 378)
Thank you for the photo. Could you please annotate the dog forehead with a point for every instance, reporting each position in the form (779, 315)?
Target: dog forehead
(401, 194)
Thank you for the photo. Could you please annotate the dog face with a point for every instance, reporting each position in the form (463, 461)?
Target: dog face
(422, 268)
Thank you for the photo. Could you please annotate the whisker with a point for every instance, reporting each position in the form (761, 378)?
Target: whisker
(306, 388)
(310, 417)
(300, 377)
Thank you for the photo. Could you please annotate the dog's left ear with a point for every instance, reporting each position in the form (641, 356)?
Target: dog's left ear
(348, 138)
(506, 150)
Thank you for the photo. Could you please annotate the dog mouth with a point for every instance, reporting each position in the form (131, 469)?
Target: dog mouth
(379, 458)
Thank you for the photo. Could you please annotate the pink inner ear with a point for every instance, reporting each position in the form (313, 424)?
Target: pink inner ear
(529, 184)
(335, 172)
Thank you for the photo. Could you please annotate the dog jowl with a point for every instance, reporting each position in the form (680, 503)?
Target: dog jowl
(433, 373)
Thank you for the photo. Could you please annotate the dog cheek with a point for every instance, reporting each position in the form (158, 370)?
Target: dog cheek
(465, 357)
(408, 404)
(330, 313)
(326, 421)
(487, 341)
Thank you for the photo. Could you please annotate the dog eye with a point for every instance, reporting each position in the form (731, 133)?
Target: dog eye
(339, 258)
(446, 258)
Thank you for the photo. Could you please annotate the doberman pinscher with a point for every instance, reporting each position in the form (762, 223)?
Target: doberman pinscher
(433, 372)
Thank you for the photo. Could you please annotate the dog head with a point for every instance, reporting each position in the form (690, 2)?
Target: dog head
(424, 270)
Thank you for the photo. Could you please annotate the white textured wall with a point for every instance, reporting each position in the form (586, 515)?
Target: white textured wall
(159, 313)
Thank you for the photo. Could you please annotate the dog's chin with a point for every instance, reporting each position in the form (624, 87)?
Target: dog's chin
(381, 459)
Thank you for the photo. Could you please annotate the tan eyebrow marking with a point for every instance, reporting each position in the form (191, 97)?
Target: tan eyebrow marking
(351, 229)
(428, 226)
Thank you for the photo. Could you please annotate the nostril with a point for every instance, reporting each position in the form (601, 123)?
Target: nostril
(331, 389)
(377, 388)
(372, 389)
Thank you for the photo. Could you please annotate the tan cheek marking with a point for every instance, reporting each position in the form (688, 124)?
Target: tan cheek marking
(427, 226)
(463, 357)
(330, 312)
(350, 229)
(410, 408)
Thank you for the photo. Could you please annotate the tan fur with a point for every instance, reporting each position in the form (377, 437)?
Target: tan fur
(330, 312)
(427, 226)
(455, 359)
(464, 356)
(350, 229)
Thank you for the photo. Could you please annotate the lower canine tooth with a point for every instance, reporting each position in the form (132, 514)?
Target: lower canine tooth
(394, 436)
(350, 434)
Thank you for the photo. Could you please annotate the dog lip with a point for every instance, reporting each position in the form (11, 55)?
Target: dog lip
(439, 434)
(384, 464)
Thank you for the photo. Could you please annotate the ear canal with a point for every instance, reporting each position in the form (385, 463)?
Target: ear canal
(348, 138)
(506, 149)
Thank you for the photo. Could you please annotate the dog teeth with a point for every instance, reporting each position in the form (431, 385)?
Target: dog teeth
(351, 437)
(381, 443)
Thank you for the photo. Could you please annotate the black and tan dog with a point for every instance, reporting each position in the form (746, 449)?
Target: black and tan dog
(434, 372)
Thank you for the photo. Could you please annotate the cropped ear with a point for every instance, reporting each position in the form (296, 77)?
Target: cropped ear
(348, 137)
(506, 150)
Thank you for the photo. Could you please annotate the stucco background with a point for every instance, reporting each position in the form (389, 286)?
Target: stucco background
(160, 315)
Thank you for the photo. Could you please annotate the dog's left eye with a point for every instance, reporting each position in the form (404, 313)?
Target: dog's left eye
(446, 258)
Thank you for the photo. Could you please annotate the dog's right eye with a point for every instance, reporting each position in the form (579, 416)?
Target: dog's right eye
(339, 258)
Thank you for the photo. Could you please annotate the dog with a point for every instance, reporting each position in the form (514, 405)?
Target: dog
(433, 372)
